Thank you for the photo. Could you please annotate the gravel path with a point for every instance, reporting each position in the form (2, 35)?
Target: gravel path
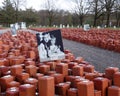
(4, 30)
(100, 58)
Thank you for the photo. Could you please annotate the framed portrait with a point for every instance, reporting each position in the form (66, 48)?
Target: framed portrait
(50, 46)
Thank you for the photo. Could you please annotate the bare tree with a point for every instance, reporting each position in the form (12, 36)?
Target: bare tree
(109, 4)
(51, 8)
(30, 16)
(117, 12)
(97, 8)
(81, 9)
(17, 5)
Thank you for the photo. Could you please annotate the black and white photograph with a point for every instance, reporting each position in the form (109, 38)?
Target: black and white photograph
(50, 46)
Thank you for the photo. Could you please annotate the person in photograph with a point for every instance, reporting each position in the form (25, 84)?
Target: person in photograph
(47, 43)
(44, 43)
(54, 49)
(41, 47)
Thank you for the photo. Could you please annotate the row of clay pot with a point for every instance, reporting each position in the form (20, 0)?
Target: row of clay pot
(22, 74)
(103, 38)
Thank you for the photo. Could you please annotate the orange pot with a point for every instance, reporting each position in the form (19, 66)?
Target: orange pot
(46, 86)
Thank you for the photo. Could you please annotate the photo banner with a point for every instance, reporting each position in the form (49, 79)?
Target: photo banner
(50, 46)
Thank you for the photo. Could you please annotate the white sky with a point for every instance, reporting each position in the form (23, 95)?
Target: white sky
(39, 4)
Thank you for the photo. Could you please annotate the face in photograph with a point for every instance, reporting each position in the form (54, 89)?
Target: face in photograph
(47, 37)
(53, 41)
(41, 36)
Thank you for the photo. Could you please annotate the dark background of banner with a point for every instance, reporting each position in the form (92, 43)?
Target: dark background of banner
(56, 34)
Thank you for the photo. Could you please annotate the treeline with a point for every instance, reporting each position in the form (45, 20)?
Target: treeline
(93, 12)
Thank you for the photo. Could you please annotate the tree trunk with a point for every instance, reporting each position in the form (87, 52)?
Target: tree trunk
(95, 21)
(117, 23)
(50, 21)
(117, 19)
(81, 20)
(108, 18)
(16, 16)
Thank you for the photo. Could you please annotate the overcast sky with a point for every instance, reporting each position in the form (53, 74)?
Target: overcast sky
(39, 4)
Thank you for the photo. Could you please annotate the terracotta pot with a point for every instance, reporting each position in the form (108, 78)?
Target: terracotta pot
(79, 59)
(38, 75)
(97, 93)
(77, 70)
(89, 68)
(3, 70)
(72, 64)
(101, 84)
(30, 62)
(72, 92)
(13, 84)
(31, 69)
(16, 70)
(85, 88)
(22, 77)
(90, 76)
(77, 80)
(110, 71)
(117, 79)
(65, 61)
(51, 73)
(13, 91)
(62, 68)
(4, 55)
(4, 81)
(52, 65)
(31, 54)
(16, 52)
(44, 69)
(27, 90)
(61, 89)
(46, 86)
(32, 81)
(113, 91)
(58, 78)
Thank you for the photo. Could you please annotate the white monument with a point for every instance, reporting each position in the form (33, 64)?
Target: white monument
(86, 27)
(114, 27)
(23, 25)
(13, 29)
(60, 25)
(63, 26)
(98, 27)
(11, 25)
(68, 26)
(17, 26)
